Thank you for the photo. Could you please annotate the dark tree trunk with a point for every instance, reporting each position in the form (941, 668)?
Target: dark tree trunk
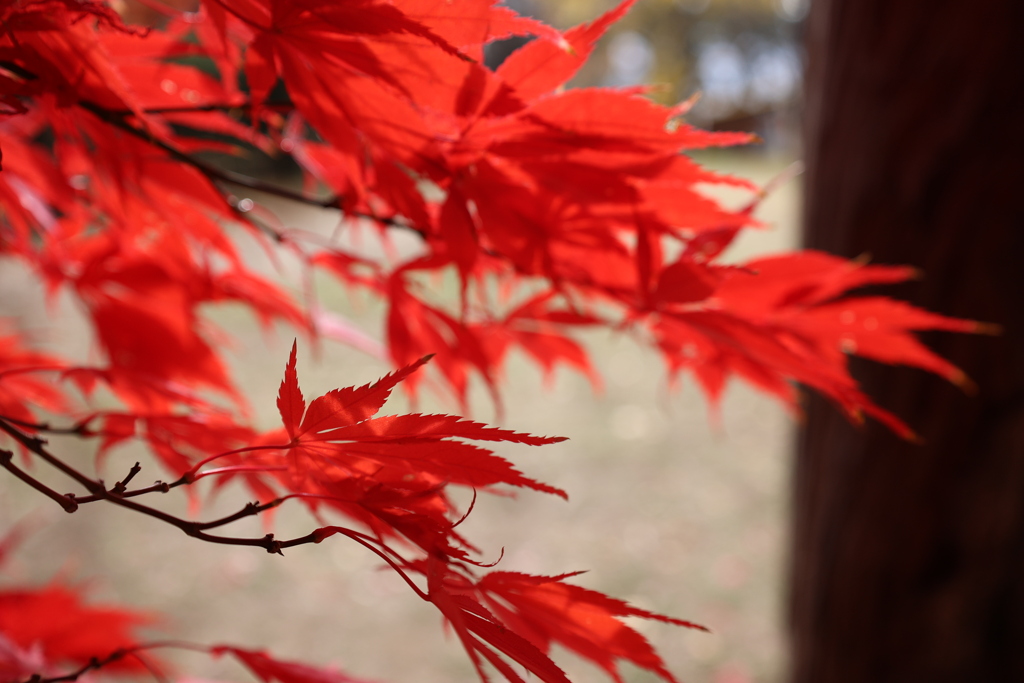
(908, 560)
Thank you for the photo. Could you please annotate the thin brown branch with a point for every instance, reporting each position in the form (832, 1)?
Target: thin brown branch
(94, 663)
(117, 655)
(120, 488)
(119, 120)
(212, 172)
(7, 462)
(99, 492)
(80, 428)
(35, 445)
(249, 510)
(158, 487)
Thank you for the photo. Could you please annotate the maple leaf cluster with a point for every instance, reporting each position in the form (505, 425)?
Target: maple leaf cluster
(554, 209)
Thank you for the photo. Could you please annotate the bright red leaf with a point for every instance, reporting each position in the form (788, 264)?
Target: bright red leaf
(56, 623)
(337, 433)
(271, 670)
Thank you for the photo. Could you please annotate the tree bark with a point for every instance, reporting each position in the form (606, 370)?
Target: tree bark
(908, 559)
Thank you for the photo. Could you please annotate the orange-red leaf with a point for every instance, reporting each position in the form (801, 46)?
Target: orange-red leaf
(431, 427)
(271, 670)
(290, 402)
(539, 67)
(56, 623)
(547, 610)
(351, 405)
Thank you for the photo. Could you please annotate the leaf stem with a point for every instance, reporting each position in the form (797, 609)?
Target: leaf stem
(240, 468)
(246, 449)
(371, 545)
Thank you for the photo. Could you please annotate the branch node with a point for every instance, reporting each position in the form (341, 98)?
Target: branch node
(69, 504)
(272, 546)
(82, 427)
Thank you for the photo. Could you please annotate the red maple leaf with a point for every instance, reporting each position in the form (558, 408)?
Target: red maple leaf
(271, 670)
(521, 616)
(55, 621)
(546, 610)
(338, 433)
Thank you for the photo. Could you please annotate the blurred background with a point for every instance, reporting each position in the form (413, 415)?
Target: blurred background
(673, 507)
(744, 57)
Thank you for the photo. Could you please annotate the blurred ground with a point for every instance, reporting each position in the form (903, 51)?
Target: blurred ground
(669, 510)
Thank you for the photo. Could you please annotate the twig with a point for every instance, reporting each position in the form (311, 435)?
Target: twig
(249, 510)
(99, 492)
(94, 663)
(158, 487)
(119, 121)
(116, 655)
(120, 487)
(35, 445)
(80, 428)
(7, 462)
